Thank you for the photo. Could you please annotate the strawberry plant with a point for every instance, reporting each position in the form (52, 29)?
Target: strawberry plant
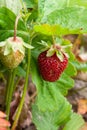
(32, 43)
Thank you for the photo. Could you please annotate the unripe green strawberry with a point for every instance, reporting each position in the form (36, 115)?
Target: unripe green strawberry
(12, 51)
(51, 67)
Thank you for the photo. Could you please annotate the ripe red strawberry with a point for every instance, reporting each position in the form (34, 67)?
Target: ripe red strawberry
(51, 67)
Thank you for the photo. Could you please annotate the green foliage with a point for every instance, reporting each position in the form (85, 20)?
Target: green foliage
(50, 100)
(7, 25)
(57, 30)
(75, 122)
(66, 17)
(64, 21)
(21, 72)
(80, 66)
(71, 70)
(50, 120)
(30, 3)
(47, 6)
(71, 18)
(15, 5)
(82, 3)
(53, 120)
(51, 109)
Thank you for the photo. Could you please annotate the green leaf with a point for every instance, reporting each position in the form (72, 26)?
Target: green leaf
(48, 6)
(34, 15)
(13, 5)
(67, 20)
(5, 33)
(29, 3)
(49, 93)
(64, 83)
(71, 69)
(82, 3)
(50, 107)
(7, 20)
(71, 18)
(55, 29)
(75, 123)
(21, 71)
(50, 120)
(80, 66)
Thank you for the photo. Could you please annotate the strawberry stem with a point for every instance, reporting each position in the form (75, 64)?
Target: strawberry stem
(15, 27)
(8, 87)
(66, 46)
(10, 92)
(53, 37)
(24, 93)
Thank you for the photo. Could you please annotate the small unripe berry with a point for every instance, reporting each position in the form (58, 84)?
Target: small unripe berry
(12, 52)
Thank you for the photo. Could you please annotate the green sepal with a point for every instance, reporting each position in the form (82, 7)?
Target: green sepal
(45, 44)
(60, 55)
(2, 44)
(50, 52)
(7, 47)
(7, 50)
(12, 46)
(27, 45)
(18, 47)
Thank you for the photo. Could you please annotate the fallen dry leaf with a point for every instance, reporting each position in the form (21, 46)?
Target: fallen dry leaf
(4, 124)
(82, 57)
(2, 115)
(82, 106)
(82, 76)
(3, 128)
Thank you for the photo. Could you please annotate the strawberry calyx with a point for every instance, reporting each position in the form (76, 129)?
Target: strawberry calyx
(15, 43)
(59, 50)
(11, 45)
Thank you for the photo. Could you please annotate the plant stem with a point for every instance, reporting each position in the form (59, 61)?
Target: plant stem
(24, 93)
(23, 7)
(8, 87)
(53, 38)
(10, 92)
(15, 27)
(16, 83)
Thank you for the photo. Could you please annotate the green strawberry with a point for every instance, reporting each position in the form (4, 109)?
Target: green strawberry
(12, 51)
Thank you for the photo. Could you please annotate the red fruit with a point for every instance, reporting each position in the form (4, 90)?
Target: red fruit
(51, 67)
